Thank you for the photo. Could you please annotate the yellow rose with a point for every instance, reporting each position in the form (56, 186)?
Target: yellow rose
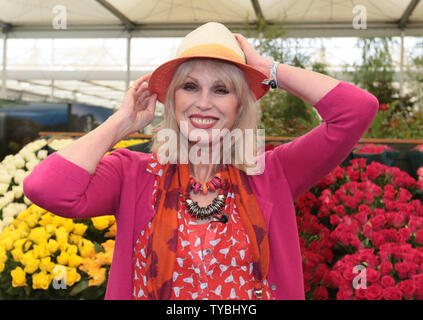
(86, 248)
(7, 242)
(63, 258)
(98, 277)
(112, 231)
(68, 225)
(38, 235)
(71, 249)
(51, 229)
(72, 276)
(18, 277)
(101, 223)
(75, 239)
(52, 245)
(31, 265)
(79, 228)
(46, 264)
(74, 260)
(1, 267)
(62, 235)
(17, 254)
(41, 251)
(31, 220)
(3, 255)
(40, 280)
(46, 219)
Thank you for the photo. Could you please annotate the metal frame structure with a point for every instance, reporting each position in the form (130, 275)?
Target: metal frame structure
(124, 27)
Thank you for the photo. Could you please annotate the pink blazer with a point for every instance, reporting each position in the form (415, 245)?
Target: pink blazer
(122, 186)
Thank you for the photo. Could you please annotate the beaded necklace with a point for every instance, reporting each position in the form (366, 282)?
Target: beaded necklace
(212, 209)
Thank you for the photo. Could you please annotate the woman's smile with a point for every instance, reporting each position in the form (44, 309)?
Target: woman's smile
(205, 102)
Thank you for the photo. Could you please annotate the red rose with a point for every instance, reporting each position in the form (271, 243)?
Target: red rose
(372, 275)
(404, 234)
(392, 293)
(377, 239)
(418, 281)
(360, 294)
(419, 236)
(320, 293)
(335, 220)
(387, 281)
(419, 294)
(386, 267)
(408, 288)
(402, 269)
(374, 292)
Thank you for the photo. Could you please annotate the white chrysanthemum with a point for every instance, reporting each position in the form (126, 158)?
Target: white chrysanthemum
(19, 161)
(5, 177)
(20, 175)
(27, 201)
(3, 188)
(30, 165)
(18, 190)
(42, 154)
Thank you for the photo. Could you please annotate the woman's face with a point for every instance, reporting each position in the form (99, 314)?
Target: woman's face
(205, 103)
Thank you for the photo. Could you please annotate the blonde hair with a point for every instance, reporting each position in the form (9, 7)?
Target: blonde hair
(234, 79)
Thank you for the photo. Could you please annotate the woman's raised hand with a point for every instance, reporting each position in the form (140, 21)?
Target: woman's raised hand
(253, 58)
(138, 105)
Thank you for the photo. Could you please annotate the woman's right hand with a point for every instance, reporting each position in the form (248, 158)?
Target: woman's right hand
(138, 105)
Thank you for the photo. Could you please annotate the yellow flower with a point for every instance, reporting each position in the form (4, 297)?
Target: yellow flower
(112, 231)
(101, 223)
(17, 254)
(79, 228)
(63, 258)
(31, 264)
(72, 276)
(38, 235)
(3, 255)
(86, 248)
(18, 277)
(74, 260)
(71, 249)
(46, 219)
(75, 239)
(50, 229)
(46, 264)
(41, 251)
(40, 280)
(98, 277)
(52, 245)
(62, 235)
(68, 225)
(7, 242)
(1, 267)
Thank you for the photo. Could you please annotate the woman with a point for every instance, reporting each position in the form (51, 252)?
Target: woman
(204, 229)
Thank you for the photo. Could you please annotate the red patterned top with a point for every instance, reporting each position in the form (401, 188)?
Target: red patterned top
(213, 259)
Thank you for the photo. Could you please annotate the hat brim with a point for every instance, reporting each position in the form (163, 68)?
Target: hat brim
(162, 76)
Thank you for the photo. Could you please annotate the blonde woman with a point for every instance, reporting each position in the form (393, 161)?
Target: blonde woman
(189, 225)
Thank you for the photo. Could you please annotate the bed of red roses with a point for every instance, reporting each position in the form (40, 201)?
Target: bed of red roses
(361, 234)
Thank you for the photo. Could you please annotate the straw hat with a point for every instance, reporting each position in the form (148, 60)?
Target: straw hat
(211, 40)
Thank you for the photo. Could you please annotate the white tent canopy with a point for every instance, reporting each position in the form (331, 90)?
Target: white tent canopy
(100, 75)
(158, 18)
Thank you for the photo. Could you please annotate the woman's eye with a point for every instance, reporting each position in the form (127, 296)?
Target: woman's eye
(222, 91)
(189, 86)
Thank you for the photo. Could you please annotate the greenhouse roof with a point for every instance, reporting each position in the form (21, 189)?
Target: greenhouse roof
(164, 18)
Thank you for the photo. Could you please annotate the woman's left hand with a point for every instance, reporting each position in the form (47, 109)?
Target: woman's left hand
(254, 59)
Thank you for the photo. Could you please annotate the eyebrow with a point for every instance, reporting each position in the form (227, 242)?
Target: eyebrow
(217, 82)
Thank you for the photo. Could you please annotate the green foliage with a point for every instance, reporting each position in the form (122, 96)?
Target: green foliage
(284, 114)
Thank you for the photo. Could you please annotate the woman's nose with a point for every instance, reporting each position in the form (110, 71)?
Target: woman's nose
(204, 101)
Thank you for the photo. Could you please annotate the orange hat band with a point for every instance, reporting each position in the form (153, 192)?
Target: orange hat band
(213, 50)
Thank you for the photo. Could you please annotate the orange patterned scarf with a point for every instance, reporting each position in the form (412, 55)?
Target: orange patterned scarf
(163, 241)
